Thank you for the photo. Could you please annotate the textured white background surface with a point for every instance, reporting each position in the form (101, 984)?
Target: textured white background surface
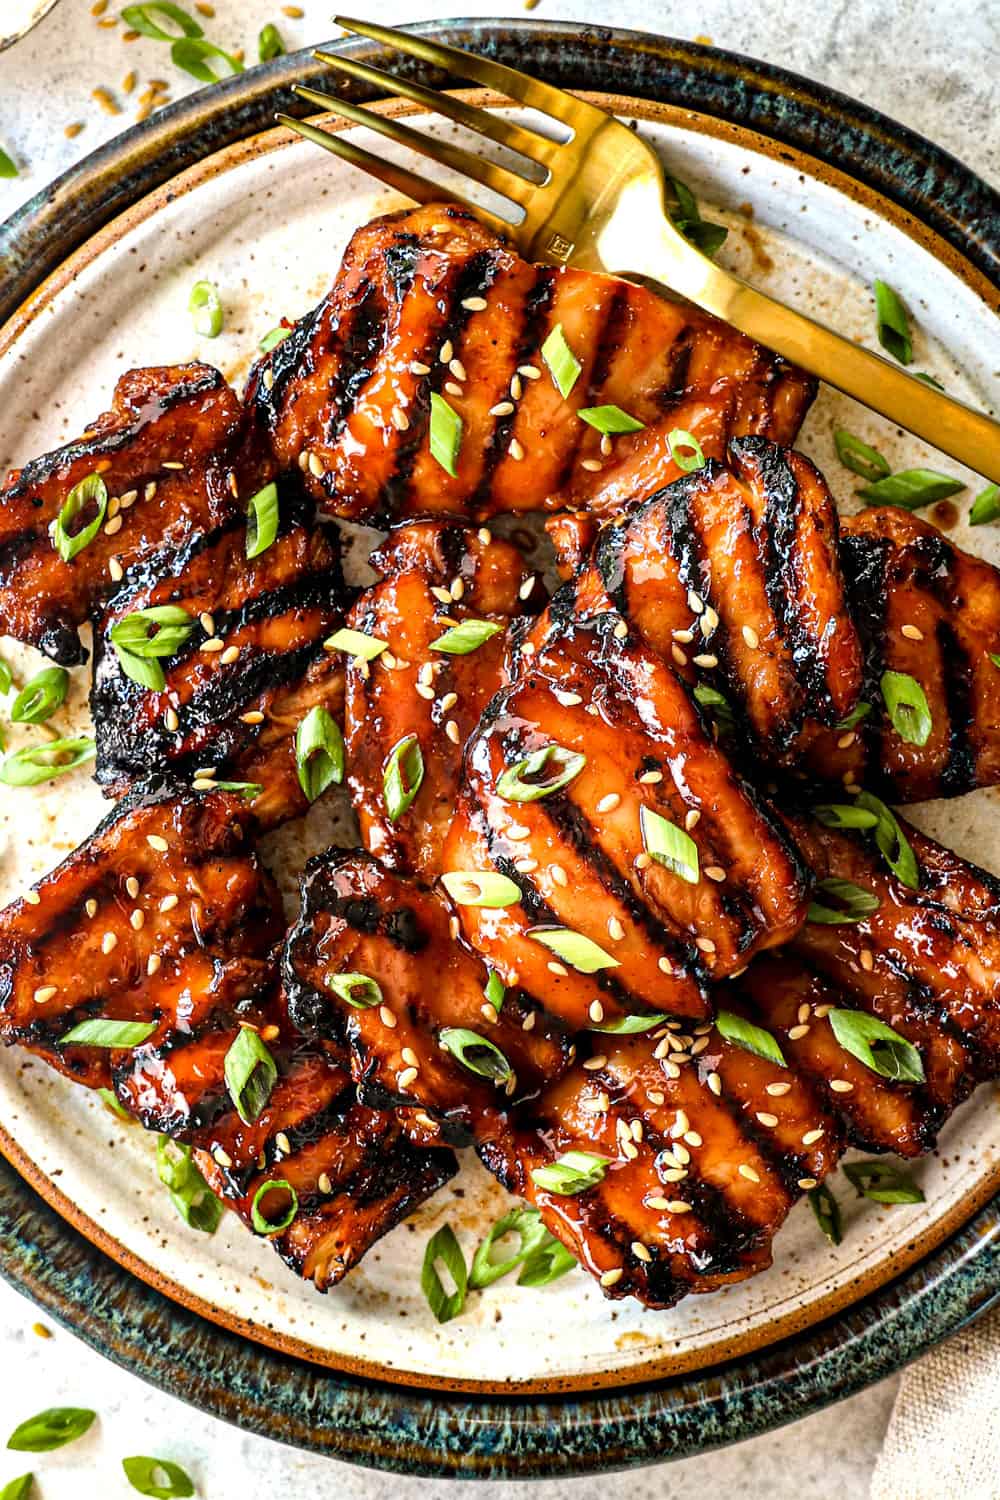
(932, 65)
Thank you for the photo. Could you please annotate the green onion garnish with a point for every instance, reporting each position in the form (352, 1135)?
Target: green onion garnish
(20, 1488)
(189, 1192)
(564, 367)
(480, 888)
(827, 1211)
(192, 54)
(141, 18)
(358, 990)
(542, 1258)
(844, 815)
(262, 520)
(852, 903)
(51, 1429)
(743, 1033)
(685, 450)
(8, 167)
(930, 380)
(446, 434)
(466, 637)
(356, 644)
(907, 707)
(853, 719)
(270, 43)
(494, 991)
(319, 752)
(404, 773)
(525, 781)
(911, 488)
(100, 1032)
(273, 338)
(859, 457)
(251, 1073)
(893, 328)
(90, 491)
(267, 1224)
(157, 1477)
(475, 1052)
(573, 1172)
(574, 949)
(994, 658)
(892, 843)
(114, 1104)
(882, 1182)
(986, 506)
(630, 1025)
(37, 763)
(717, 704)
(249, 789)
(6, 677)
(39, 698)
(146, 634)
(548, 1263)
(669, 845)
(609, 419)
(444, 1247)
(205, 307)
(877, 1046)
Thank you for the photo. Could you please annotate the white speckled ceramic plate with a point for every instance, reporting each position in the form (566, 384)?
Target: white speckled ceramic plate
(267, 222)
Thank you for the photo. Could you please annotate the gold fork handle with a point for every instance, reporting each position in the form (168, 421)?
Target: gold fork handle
(967, 435)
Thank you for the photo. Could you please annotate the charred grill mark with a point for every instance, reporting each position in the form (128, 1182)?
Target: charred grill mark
(866, 577)
(293, 358)
(680, 362)
(959, 774)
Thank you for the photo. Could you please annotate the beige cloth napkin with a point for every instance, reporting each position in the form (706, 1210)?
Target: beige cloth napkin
(943, 1441)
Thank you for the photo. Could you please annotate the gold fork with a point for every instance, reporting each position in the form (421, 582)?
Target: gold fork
(596, 200)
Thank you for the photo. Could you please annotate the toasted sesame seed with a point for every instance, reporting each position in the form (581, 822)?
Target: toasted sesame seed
(598, 1104)
(137, 920)
(751, 637)
(629, 1151)
(593, 1064)
(215, 643)
(650, 778)
(527, 587)
(169, 902)
(113, 526)
(453, 388)
(804, 1013)
(515, 450)
(489, 1012)
(114, 506)
(554, 967)
(695, 602)
(502, 409)
(230, 655)
(386, 1016)
(568, 700)
(911, 632)
(706, 659)
(812, 1136)
(315, 465)
(620, 630)
(283, 1144)
(454, 927)
(253, 717)
(643, 860)
(657, 1202)
(796, 1032)
(109, 942)
(407, 1076)
(714, 872)
(457, 369)
(808, 1183)
(679, 656)
(32, 898)
(417, 368)
(821, 1011)
(447, 352)
(424, 691)
(558, 875)
(203, 784)
(765, 1119)
(323, 1183)
(528, 1024)
(611, 1278)
(150, 490)
(456, 588)
(615, 930)
(691, 818)
(777, 1089)
(592, 465)
(116, 570)
(708, 621)
(132, 886)
(714, 1083)
(516, 832)
(841, 1086)
(846, 740)
(664, 965)
(705, 944)
(269, 378)
(400, 420)
(698, 1047)
(222, 1157)
(153, 963)
(608, 803)
(73, 129)
(170, 719)
(867, 959)
(453, 732)
(526, 866)
(45, 992)
(596, 1011)
(748, 1172)
(90, 907)
(640, 1252)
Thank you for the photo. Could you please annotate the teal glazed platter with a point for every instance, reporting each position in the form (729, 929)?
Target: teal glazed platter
(820, 195)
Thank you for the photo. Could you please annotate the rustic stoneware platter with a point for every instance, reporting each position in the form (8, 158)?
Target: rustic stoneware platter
(820, 197)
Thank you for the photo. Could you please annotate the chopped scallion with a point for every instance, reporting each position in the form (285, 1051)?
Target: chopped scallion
(205, 307)
(859, 457)
(876, 1045)
(404, 774)
(357, 990)
(986, 506)
(480, 888)
(882, 1182)
(90, 491)
(270, 43)
(263, 516)
(911, 488)
(157, 1477)
(893, 326)
(907, 707)
(192, 54)
(892, 843)
(146, 634)
(273, 338)
(465, 637)
(476, 1053)
(852, 903)
(827, 1211)
(669, 845)
(189, 1192)
(494, 990)
(580, 952)
(8, 166)
(539, 1254)
(743, 1033)
(609, 419)
(527, 781)
(444, 1247)
(572, 1173)
(319, 752)
(356, 643)
(141, 18)
(564, 367)
(251, 1073)
(272, 1224)
(39, 698)
(51, 1429)
(445, 434)
(101, 1032)
(685, 450)
(37, 763)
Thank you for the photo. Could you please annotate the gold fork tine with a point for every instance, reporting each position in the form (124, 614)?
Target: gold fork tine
(499, 179)
(420, 189)
(541, 96)
(493, 126)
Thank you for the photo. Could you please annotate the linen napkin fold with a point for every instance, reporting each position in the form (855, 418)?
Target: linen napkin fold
(943, 1440)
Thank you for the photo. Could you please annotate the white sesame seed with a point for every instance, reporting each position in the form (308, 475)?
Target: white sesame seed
(558, 874)
(643, 860)
(454, 927)
(526, 866)
(714, 872)
(417, 368)
(516, 832)
(269, 378)
(698, 1047)
(128, 499)
(132, 886)
(528, 1024)
(169, 902)
(568, 700)
(116, 570)
(678, 1206)
(681, 1123)
(629, 1151)
(650, 778)
(502, 409)
(283, 1144)
(691, 818)
(841, 1086)
(640, 1252)
(554, 967)
(611, 1278)
(406, 1077)
(527, 587)
(803, 1013)
(530, 372)
(599, 1104)
(706, 659)
(109, 942)
(222, 1157)
(684, 636)
(695, 602)
(90, 907)
(592, 465)
(386, 1016)
(751, 637)
(615, 930)
(203, 784)
(489, 1012)
(708, 621)
(748, 1172)
(596, 1012)
(230, 655)
(457, 369)
(705, 944)
(608, 803)
(447, 352)
(715, 1084)
(453, 732)
(150, 490)
(456, 588)
(620, 630)
(214, 644)
(153, 963)
(400, 420)
(323, 1183)
(867, 959)
(664, 965)
(846, 740)
(516, 388)
(911, 632)
(657, 1202)
(316, 466)
(777, 1089)
(606, 446)
(474, 304)
(812, 1136)
(765, 1119)
(113, 526)
(253, 717)
(137, 920)
(796, 1032)
(594, 1064)
(424, 691)
(170, 720)
(679, 656)
(808, 1183)
(515, 450)
(442, 595)
(822, 1011)
(453, 388)
(693, 1138)
(45, 992)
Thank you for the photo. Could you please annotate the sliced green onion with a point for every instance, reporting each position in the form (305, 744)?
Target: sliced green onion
(717, 704)
(877, 1046)
(249, 789)
(273, 338)
(494, 991)
(267, 1225)
(37, 763)
(263, 516)
(205, 307)
(859, 457)
(536, 1250)
(90, 491)
(100, 1032)
(852, 903)
(844, 815)
(469, 636)
(39, 698)
(669, 845)
(359, 990)
(192, 54)
(854, 718)
(444, 1247)
(404, 773)
(189, 1192)
(609, 419)
(930, 380)
(6, 677)
(525, 781)
(356, 643)
(113, 1103)
(141, 18)
(270, 43)
(51, 1429)
(827, 1210)
(994, 658)
(911, 488)
(574, 949)
(893, 327)
(143, 670)
(480, 888)
(743, 1033)
(251, 1073)
(146, 634)
(685, 450)
(548, 1263)
(157, 1477)
(986, 506)
(446, 434)
(573, 1172)
(475, 1052)
(907, 707)
(882, 1182)
(630, 1025)
(892, 843)
(564, 367)
(8, 167)
(319, 752)
(20, 1488)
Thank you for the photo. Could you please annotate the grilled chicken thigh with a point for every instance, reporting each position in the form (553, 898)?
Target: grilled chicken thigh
(429, 302)
(171, 455)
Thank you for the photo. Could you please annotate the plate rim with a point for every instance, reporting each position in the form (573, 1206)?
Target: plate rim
(949, 1285)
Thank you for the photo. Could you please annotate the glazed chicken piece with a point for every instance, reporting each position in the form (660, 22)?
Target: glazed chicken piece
(249, 665)
(428, 685)
(172, 455)
(427, 303)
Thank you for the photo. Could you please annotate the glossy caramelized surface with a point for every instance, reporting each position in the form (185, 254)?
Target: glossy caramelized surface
(347, 393)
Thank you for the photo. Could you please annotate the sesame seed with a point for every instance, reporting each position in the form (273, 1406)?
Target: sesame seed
(527, 587)
(442, 595)
(454, 927)
(517, 831)
(416, 368)
(502, 409)
(611, 1278)
(751, 637)
(400, 420)
(447, 352)
(765, 1119)
(90, 907)
(803, 1013)
(606, 447)
(596, 1011)
(116, 570)
(706, 660)
(650, 778)
(323, 1183)
(230, 655)
(526, 866)
(658, 1203)
(777, 1089)
(528, 1024)
(796, 1032)
(283, 1144)
(846, 740)
(425, 691)
(748, 1172)
(406, 1077)
(453, 388)
(253, 717)
(615, 929)
(691, 818)
(113, 526)
(453, 732)
(714, 872)
(705, 944)
(608, 803)
(695, 602)
(554, 967)
(109, 942)
(515, 450)
(474, 304)
(456, 588)
(620, 630)
(708, 621)
(568, 700)
(678, 1206)
(812, 1136)
(153, 963)
(640, 1252)
(679, 656)
(698, 1047)
(269, 378)
(599, 1104)
(386, 1016)
(841, 1086)
(32, 898)
(530, 372)
(169, 902)
(822, 1011)
(150, 490)
(643, 860)
(593, 1064)
(558, 875)
(911, 632)
(45, 992)
(132, 886)
(203, 784)
(114, 506)
(867, 959)
(629, 1151)
(715, 1084)
(137, 920)
(592, 465)
(222, 1157)
(216, 643)
(664, 965)
(457, 369)
(170, 719)
(316, 466)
